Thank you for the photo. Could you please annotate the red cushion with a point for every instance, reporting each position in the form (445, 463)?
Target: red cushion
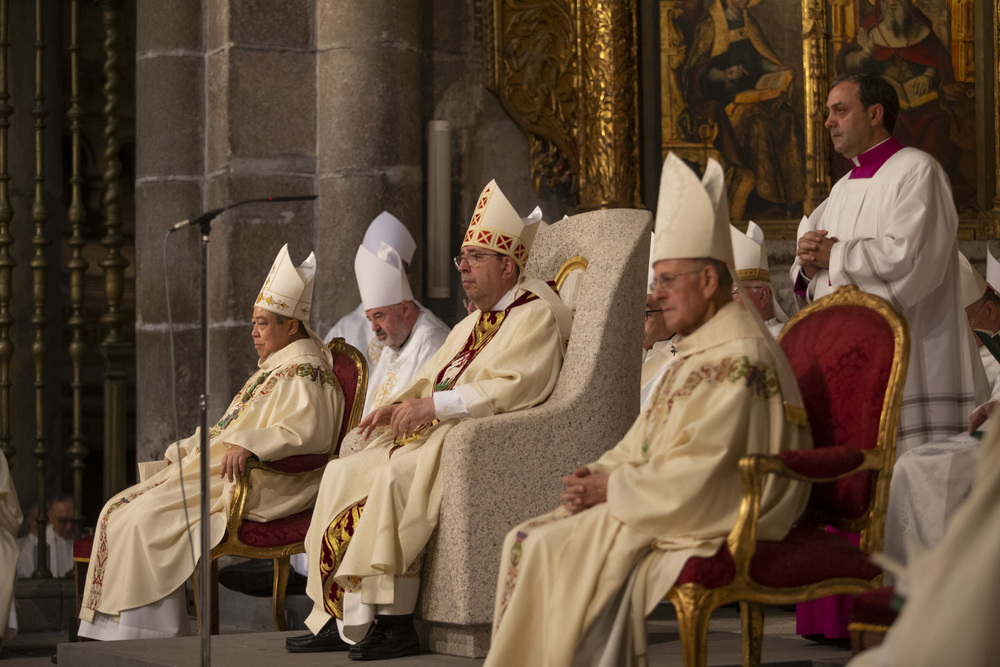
(822, 463)
(842, 357)
(347, 374)
(300, 463)
(807, 555)
(83, 546)
(874, 607)
(277, 533)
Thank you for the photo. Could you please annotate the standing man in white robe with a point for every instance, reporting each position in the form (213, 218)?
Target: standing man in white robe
(754, 273)
(142, 553)
(670, 489)
(409, 333)
(354, 327)
(10, 523)
(889, 227)
(377, 508)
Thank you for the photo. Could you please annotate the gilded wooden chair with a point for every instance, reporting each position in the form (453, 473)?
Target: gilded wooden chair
(849, 352)
(279, 539)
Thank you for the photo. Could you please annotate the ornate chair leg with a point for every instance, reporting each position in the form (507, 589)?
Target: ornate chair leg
(281, 573)
(752, 616)
(79, 581)
(195, 578)
(694, 606)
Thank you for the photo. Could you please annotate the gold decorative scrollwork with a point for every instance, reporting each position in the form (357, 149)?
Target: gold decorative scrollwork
(565, 72)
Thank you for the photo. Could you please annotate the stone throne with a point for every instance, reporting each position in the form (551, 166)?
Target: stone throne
(501, 470)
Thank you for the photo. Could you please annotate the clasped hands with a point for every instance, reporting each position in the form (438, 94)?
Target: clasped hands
(584, 490)
(402, 418)
(813, 251)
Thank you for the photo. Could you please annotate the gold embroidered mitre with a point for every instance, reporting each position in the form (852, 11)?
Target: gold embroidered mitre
(288, 289)
(749, 253)
(496, 226)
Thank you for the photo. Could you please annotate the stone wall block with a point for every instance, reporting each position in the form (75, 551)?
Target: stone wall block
(450, 25)
(217, 21)
(154, 416)
(159, 205)
(169, 25)
(217, 124)
(170, 111)
(287, 23)
(271, 103)
(369, 115)
(349, 24)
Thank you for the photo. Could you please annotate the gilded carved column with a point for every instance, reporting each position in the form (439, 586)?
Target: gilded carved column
(6, 240)
(116, 349)
(814, 60)
(609, 120)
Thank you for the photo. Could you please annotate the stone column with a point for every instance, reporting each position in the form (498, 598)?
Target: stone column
(369, 138)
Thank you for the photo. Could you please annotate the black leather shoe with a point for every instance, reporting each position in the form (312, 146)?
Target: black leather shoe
(328, 639)
(389, 637)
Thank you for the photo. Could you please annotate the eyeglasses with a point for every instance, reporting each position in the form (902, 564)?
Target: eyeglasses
(736, 289)
(666, 281)
(473, 258)
(651, 312)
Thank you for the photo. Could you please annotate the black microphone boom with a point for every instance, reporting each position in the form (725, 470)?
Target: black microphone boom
(215, 212)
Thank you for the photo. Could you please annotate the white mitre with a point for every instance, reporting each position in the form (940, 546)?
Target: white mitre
(751, 261)
(992, 271)
(381, 278)
(386, 228)
(692, 215)
(496, 226)
(973, 285)
(288, 289)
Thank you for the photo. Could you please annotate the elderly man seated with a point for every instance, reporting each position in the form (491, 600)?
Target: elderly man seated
(409, 334)
(291, 405)
(754, 273)
(670, 489)
(377, 508)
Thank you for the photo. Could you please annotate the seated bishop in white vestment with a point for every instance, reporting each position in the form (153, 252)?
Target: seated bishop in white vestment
(378, 507)
(291, 405)
(355, 327)
(10, 523)
(889, 227)
(575, 585)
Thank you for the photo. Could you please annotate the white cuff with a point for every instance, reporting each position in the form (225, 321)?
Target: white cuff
(449, 405)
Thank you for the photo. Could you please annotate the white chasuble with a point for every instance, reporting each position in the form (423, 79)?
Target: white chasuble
(377, 508)
(10, 523)
(896, 231)
(395, 368)
(292, 405)
(673, 493)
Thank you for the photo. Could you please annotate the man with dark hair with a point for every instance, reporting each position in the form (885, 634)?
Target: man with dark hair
(889, 227)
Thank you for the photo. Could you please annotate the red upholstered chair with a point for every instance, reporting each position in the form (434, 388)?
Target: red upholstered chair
(279, 539)
(872, 613)
(849, 352)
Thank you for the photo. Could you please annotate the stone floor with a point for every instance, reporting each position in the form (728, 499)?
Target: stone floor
(247, 641)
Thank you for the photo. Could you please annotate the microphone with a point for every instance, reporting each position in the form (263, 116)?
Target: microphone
(215, 212)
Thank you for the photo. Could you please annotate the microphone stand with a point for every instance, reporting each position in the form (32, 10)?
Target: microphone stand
(204, 223)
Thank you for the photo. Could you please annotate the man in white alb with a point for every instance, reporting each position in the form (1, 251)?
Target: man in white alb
(890, 228)
(355, 327)
(754, 273)
(10, 523)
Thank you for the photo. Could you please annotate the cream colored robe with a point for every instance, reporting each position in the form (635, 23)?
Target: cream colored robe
(293, 405)
(517, 369)
(673, 493)
(10, 523)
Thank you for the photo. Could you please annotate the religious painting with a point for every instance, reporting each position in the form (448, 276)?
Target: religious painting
(732, 89)
(925, 49)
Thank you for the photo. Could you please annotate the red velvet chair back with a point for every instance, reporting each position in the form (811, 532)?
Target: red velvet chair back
(351, 370)
(847, 351)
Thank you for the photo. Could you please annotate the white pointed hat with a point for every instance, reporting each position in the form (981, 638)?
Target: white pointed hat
(750, 254)
(692, 215)
(973, 285)
(386, 228)
(496, 226)
(992, 271)
(288, 289)
(381, 278)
